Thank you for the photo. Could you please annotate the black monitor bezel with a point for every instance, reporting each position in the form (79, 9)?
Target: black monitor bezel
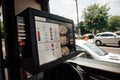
(30, 13)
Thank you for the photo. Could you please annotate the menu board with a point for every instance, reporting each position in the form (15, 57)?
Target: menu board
(48, 41)
(51, 40)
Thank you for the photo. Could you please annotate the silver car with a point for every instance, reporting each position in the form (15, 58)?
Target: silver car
(107, 38)
(92, 51)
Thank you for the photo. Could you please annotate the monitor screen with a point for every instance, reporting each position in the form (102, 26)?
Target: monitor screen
(53, 39)
(49, 39)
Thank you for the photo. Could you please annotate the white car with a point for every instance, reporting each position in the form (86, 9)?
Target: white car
(107, 38)
(94, 52)
(117, 32)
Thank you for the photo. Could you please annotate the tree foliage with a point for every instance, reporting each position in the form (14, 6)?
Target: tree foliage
(114, 23)
(95, 17)
(82, 28)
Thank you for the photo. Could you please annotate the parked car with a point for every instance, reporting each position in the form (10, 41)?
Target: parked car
(89, 37)
(117, 32)
(94, 52)
(107, 38)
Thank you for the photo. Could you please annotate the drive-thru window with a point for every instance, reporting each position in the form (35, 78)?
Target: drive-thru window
(35, 40)
(38, 45)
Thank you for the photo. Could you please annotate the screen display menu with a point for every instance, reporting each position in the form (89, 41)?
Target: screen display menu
(49, 40)
(52, 40)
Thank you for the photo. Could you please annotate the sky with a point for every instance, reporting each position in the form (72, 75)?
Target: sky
(67, 8)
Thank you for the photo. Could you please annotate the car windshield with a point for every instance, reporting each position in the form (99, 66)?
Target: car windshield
(97, 50)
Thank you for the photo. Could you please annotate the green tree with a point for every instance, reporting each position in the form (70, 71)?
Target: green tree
(82, 28)
(114, 23)
(95, 17)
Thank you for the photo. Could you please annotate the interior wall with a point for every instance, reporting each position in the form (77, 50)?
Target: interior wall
(20, 5)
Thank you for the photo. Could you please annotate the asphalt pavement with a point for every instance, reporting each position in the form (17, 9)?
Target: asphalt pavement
(112, 49)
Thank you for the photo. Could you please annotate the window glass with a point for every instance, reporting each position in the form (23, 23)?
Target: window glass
(95, 49)
(118, 34)
(94, 17)
(110, 35)
(104, 35)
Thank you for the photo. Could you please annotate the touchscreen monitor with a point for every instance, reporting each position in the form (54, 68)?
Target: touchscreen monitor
(49, 40)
